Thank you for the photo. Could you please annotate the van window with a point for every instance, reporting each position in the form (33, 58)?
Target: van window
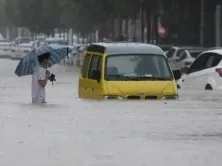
(130, 67)
(96, 48)
(85, 66)
(93, 65)
(99, 66)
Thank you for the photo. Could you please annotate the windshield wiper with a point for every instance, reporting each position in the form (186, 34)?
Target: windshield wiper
(116, 76)
(137, 78)
(141, 78)
(163, 78)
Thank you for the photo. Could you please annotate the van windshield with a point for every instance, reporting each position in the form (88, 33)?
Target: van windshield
(137, 68)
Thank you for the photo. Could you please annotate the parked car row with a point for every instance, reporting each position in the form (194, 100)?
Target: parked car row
(21, 45)
(76, 56)
(20, 50)
(180, 57)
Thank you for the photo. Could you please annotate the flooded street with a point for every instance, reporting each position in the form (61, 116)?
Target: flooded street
(73, 132)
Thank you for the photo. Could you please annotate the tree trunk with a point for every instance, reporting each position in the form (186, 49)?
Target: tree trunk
(155, 22)
(120, 27)
(142, 22)
(148, 24)
(126, 29)
(134, 28)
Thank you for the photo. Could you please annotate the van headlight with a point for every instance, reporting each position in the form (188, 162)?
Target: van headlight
(170, 97)
(113, 97)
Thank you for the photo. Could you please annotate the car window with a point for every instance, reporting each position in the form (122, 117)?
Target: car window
(179, 52)
(99, 65)
(209, 62)
(183, 56)
(170, 53)
(85, 66)
(217, 59)
(213, 60)
(198, 64)
(93, 65)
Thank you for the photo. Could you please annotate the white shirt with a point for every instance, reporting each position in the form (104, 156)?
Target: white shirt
(38, 92)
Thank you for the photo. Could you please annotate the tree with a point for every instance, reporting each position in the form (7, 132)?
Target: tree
(3, 19)
(36, 15)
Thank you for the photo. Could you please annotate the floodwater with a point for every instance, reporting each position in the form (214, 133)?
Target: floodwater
(72, 132)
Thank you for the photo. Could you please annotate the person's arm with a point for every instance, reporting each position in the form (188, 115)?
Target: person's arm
(43, 77)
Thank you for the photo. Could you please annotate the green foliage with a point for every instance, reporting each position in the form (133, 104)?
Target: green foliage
(3, 19)
(82, 15)
(85, 15)
(37, 15)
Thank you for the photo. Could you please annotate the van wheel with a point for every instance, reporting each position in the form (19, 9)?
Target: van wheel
(208, 87)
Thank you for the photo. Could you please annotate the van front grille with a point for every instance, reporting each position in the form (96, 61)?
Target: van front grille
(151, 97)
(133, 97)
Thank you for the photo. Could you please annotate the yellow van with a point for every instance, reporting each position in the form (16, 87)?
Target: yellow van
(126, 71)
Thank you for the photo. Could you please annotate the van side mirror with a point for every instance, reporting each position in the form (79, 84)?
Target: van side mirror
(96, 75)
(185, 70)
(177, 74)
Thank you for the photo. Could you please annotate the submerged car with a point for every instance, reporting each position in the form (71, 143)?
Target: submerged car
(205, 73)
(126, 71)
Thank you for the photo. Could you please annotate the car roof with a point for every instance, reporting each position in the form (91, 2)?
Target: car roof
(54, 39)
(126, 48)
(26, 44)
(217, 51)
(188, 47)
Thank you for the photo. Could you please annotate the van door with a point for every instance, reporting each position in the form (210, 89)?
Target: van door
(95, 87)
(83, 80)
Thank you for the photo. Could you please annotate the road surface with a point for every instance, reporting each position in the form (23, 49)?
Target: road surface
(73, 132)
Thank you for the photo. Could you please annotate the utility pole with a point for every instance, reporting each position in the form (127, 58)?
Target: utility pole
(202, 22)
(218, 26)
(142, 20)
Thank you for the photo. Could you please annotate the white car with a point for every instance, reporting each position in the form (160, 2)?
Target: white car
(205, 73)
(186, 59)
(5, 49)
(175, 53)
(54, 41)
(20, 40)
(21, 49)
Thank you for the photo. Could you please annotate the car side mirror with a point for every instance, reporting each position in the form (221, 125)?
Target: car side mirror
(177, 74)
(96, 75)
